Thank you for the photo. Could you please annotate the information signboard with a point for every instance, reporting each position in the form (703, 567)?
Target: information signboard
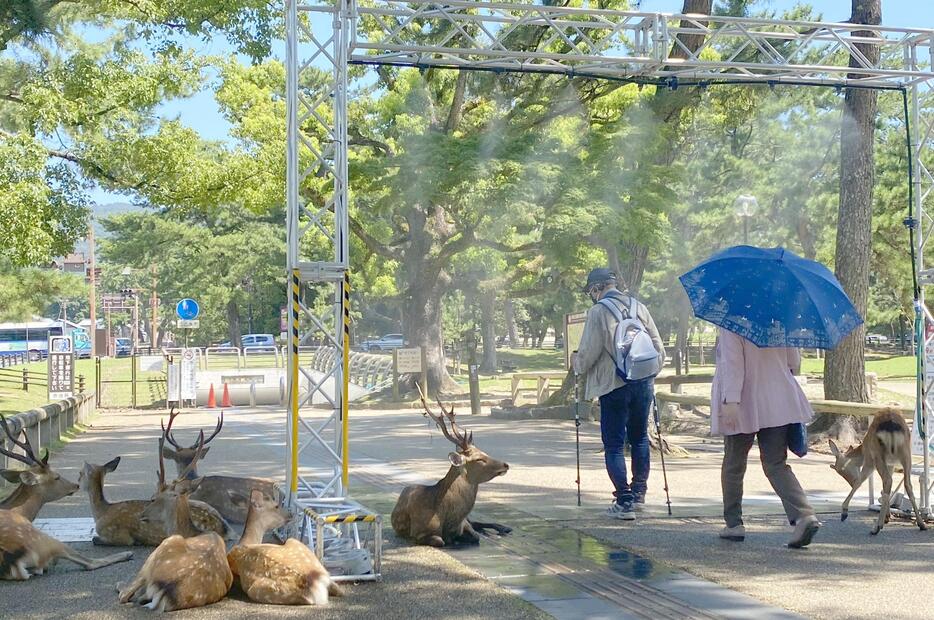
(409, 360)
(61, 374)
(189, 380)
(573, 330)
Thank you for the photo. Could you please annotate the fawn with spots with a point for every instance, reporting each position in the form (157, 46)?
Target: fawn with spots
(437, 515)
(887, 443)
(188, 569)
(288, 574)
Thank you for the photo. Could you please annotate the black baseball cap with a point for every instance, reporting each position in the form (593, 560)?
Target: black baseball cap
(600, 275)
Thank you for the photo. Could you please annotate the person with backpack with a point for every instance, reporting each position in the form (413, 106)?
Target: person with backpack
(620, 353)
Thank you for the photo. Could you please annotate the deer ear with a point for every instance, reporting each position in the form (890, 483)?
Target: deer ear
(238, 499)
(28, 477)
(112, 465)
(457, 459)
(833, 448)
(204, 452)
(11, 475)
(168, 452)
(195, 483)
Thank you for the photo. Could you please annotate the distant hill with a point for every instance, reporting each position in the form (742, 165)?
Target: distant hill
(101, 212)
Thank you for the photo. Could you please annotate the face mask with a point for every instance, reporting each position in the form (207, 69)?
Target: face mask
(594, 294)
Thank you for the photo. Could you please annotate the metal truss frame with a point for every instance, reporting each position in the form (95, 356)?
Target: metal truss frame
(324, 37)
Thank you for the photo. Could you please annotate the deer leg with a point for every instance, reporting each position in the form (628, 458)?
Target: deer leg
(479, 526)
(906, 466)
(130, 592)
(864, 473)
(468, 534)
(89, 564)
(885, 507)
(432, 540)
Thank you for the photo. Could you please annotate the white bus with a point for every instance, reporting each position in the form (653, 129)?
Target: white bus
(32, 337)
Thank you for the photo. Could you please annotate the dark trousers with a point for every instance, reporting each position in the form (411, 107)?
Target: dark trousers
(624, 417)
(773, 452)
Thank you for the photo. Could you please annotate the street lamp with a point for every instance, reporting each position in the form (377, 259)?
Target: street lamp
(746, 206)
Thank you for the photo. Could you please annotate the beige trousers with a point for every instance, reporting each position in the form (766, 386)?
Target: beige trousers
(773, 452)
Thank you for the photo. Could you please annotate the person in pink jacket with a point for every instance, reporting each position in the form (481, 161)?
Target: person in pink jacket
(755, 396)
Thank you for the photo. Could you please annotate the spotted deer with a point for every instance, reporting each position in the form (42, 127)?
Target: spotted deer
(230, 495)
(437, 515)
(38, 484)
(26, 551)
(188, 569)
(887, 443)
(288, 574)
(121, 523)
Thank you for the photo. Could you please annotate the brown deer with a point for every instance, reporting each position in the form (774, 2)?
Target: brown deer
(230, 495)
(436, 515)
(188, 569)
(121, 524)
(887, 443)
(288, 574)
(26, 551)
(38, 484)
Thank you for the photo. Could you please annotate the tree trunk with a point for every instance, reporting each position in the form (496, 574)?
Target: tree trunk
(844, 369)
(233, 323)
(510, 312)
(422, 328)
(488, 331)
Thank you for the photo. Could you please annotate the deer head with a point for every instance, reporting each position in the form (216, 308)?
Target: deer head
(170, 502)
(92, 476)
(849, 463)
(477, 465)
(38, 479)
(184, 457)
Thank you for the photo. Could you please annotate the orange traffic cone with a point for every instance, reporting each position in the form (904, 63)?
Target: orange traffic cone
(225, 401)
(212, 403)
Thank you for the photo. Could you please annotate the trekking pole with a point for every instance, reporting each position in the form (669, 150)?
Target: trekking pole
(661, 451)
(577, 435)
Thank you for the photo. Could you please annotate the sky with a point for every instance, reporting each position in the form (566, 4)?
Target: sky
(201, 110)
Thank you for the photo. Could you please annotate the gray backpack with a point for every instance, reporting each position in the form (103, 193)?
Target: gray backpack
(634, 352)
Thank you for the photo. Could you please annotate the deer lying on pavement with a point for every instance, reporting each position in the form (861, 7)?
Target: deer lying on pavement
(887, 443)
(188, 569)
(26, 551)
(39, 484)
(230, 495)
(436, 515)
(120, 523)
(288, 574)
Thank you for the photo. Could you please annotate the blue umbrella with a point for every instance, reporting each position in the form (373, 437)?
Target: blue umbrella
(771, 297)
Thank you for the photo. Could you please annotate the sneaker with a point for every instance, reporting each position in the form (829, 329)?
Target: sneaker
(638, 501)
(621, 511)
(736, 533)
(804, 532)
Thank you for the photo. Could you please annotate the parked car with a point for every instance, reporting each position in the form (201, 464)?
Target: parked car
(123, 347)
(254, 340)
(385, 343)
(876, 339)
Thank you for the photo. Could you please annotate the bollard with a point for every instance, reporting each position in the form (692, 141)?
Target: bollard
(473, 370)
(25, 380)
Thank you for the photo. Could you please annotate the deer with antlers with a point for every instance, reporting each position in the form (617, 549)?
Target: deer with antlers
(230, 495)
(437, 515)
(189, 568)
(287, 574)
(38, 484)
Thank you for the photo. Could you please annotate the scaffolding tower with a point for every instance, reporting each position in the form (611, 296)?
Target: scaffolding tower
(325, 38)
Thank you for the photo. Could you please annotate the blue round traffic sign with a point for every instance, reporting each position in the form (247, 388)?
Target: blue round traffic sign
(187, 309)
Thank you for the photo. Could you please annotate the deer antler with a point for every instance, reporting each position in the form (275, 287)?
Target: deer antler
(194, 462)
(30, 457)
(465, 438)
(217, 429)
(456, 438)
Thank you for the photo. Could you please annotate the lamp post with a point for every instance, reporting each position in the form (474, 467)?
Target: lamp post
(746, 206)
(127, 273)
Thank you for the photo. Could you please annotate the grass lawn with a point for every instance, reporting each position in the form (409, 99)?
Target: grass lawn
(150, 386)
(885, 366)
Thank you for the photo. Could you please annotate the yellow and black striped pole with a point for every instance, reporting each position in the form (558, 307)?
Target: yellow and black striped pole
(293, 373)
(345, 394)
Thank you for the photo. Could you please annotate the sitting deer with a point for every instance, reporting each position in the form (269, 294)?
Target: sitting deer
(188, 569)
(887, 443)
(26, 551)
(230, 495)
(120, 523)
(38, 484)
(288, 574)
(437, 515)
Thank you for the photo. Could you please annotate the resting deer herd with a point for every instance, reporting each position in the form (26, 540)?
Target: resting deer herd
(187, 520)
